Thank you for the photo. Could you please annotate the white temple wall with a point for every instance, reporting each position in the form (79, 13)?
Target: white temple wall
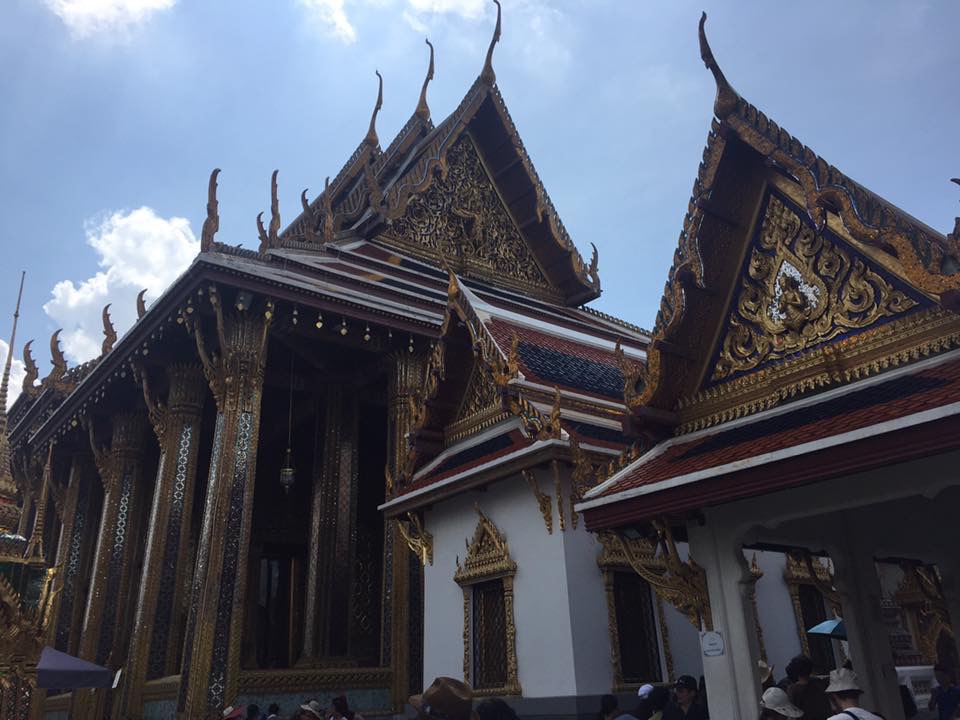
(777, 618)
(557, 587)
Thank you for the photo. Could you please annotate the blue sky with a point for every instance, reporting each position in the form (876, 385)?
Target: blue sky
(115, 111)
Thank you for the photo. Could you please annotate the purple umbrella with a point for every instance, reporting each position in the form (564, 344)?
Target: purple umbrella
(66, 672)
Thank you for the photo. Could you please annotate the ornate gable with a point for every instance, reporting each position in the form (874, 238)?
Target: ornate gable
(462, 220)
(800, 289)
(488, 555)
(481, 406)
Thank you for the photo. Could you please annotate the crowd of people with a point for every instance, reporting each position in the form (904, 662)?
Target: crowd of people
(801, 694)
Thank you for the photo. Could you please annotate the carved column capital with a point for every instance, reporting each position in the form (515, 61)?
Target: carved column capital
(187, 388)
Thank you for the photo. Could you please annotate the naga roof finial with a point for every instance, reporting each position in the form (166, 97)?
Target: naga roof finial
(423, 110)
(488, 75)
(141, 304)
(954, 237)
(371, 138)
(56, 358)
(327, 212)
(268, 238)
(212, 222)
(32, 371)
(109, 333)
(727, 97)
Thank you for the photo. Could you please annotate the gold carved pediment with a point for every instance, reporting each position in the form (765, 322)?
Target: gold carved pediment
(801, 289)
(461, 220)
(488, 555)
(480, 407)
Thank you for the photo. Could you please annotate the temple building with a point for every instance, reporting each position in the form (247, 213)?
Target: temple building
(394, 443)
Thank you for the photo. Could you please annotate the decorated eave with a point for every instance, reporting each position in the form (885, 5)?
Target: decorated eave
(506, 389)
(746, 153)
(905, 414)
(371, 195)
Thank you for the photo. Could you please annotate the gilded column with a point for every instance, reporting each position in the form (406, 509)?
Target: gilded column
(332, 528)
(158, 620)
(73, 555)
(211, 660)
(406, 376)
(103, 638)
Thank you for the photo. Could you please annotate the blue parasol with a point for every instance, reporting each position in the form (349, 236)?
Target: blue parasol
(831, 628)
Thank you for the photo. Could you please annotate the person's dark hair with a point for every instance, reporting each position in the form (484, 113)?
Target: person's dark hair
(658, 698)
(253, 712)
(274, 709)
(341, 706)
(608, 703)
(799, 667)
(496, 709)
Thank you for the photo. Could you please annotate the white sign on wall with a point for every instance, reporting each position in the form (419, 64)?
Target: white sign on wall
(711, 642)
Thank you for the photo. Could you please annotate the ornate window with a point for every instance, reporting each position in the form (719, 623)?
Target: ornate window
(489, 633)
(631, 604)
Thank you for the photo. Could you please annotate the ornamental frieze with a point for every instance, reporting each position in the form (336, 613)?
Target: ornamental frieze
(801, 289)
(461, 219)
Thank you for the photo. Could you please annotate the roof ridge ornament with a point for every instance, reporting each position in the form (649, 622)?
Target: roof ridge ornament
(141, 304)
(487, 75)
(32, 371)
(327, 202)
(371, 139)
(727, 97)
(268, 239)
(59, 362)
(109, 332)
(212, 223)
(423, 110)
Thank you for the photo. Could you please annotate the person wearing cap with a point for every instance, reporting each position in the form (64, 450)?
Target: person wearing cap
(775, 705)
(445, 699)
(807, 692)
(685, 707)
(235, 712)
(312, 710)
(643, 711)
(845, 695)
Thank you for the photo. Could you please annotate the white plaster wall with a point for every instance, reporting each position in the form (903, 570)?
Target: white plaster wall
(684, 643)
(557, 588)
(777, 619)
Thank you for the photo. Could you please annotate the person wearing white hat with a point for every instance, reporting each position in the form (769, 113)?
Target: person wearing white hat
(845, 695)
(776, 705)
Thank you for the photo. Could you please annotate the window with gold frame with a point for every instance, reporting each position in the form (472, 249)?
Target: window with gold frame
(489, 633)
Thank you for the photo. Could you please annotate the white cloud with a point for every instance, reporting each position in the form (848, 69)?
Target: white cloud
(332, 14)
(463, 8)
(137, 250)
(89, 17)
(16, 373)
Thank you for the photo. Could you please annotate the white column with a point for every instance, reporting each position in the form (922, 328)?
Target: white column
(857, 581)
(733, 685)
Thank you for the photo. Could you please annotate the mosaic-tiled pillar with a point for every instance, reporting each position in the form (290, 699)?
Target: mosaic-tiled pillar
(332, 530)
(73, 554)
(103, 639)
(211, 659)
(406, 376)
(157, 624)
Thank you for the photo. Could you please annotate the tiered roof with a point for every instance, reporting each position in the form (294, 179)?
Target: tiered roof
(790, 279)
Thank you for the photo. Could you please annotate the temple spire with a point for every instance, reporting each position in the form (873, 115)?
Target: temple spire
(371, 138)
(727, 98)
(488, 75)
(9, 512)
(423, 110)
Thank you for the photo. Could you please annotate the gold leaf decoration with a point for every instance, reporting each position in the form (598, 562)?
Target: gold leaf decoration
(800, 290)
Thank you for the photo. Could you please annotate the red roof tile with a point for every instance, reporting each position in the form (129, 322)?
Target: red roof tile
(898, 397)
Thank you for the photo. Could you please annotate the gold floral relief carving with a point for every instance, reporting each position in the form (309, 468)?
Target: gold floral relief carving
(462, 219)
(800, 290)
